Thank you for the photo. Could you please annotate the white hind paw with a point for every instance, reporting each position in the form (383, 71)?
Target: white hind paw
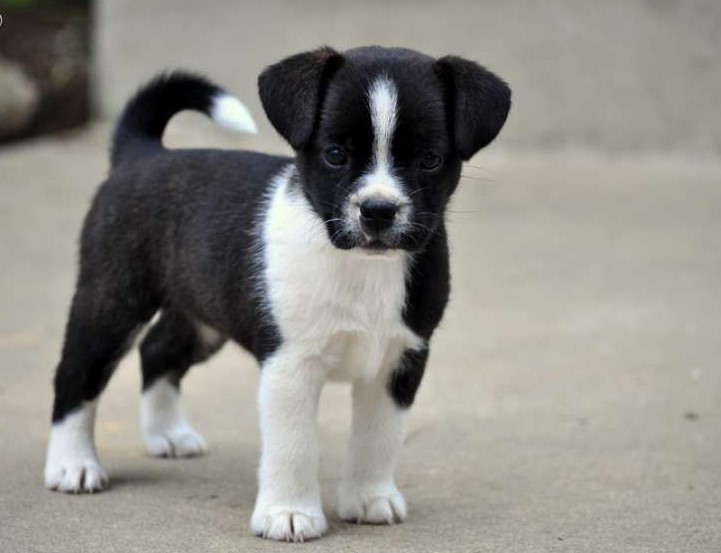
(176, 443)
(76, 477)
(165, 429)
(371, 504)
(71, 464)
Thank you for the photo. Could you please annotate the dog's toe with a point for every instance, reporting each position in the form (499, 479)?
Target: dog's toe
(83, 477)
(289, 525)
(372, 505)
(384, 510)
(177, 443)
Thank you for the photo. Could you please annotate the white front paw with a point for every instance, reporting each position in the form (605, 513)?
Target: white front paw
(371, 503)
(288, 523)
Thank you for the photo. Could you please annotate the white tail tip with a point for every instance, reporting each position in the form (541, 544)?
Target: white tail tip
(230, 113)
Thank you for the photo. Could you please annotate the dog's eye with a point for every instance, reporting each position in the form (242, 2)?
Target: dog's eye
(430, 161)
(335, 156)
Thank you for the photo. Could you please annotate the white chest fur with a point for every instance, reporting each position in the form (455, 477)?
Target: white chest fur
(341, 308)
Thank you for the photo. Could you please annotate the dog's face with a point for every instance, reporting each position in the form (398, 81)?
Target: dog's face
(380, 135)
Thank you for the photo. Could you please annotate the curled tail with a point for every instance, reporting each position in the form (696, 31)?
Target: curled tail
(140, 128)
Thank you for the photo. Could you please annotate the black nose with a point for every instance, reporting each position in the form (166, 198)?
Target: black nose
(377, 215)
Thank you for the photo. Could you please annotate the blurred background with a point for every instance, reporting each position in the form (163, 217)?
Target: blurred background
(44, 66)
(621, 75)
(573, 397)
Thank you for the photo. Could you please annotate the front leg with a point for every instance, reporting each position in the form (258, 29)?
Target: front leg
(288, 506)
(368, 493)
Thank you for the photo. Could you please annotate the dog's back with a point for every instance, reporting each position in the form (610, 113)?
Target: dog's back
(169, 221)
(166, 220)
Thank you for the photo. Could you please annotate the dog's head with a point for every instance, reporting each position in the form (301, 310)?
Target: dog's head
(380, 135)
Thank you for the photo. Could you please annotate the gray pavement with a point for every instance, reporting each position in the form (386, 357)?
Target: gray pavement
(572, 403)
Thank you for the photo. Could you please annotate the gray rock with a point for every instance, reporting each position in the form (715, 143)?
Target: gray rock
(19, 97)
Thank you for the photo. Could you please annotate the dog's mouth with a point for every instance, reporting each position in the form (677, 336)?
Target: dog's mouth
(347, 236)
(376, 245)
(353, 241)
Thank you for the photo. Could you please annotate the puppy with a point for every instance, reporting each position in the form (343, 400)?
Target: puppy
(332, 264)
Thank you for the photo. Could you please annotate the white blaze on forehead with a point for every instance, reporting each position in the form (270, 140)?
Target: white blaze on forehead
(383, 101)
(380, 182)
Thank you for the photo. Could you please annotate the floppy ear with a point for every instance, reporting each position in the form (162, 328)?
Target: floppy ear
(479, 103)
(292, 89)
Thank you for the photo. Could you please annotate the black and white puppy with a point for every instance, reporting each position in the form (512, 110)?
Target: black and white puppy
(329, 265)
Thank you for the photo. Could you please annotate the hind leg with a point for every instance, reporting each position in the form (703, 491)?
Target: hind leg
(171, 347)
(99, 331)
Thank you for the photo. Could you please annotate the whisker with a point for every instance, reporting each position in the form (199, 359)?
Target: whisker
(463, 211)
(478, 179)
(478, 167)
(417, 191)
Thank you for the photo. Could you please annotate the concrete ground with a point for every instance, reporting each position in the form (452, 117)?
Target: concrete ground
(573, 399)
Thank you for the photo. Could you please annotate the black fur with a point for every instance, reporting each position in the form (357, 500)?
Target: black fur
(292, 92)
(478, 100)
(405, 381)
(171, 231)
(171, 347)
(177, 231)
